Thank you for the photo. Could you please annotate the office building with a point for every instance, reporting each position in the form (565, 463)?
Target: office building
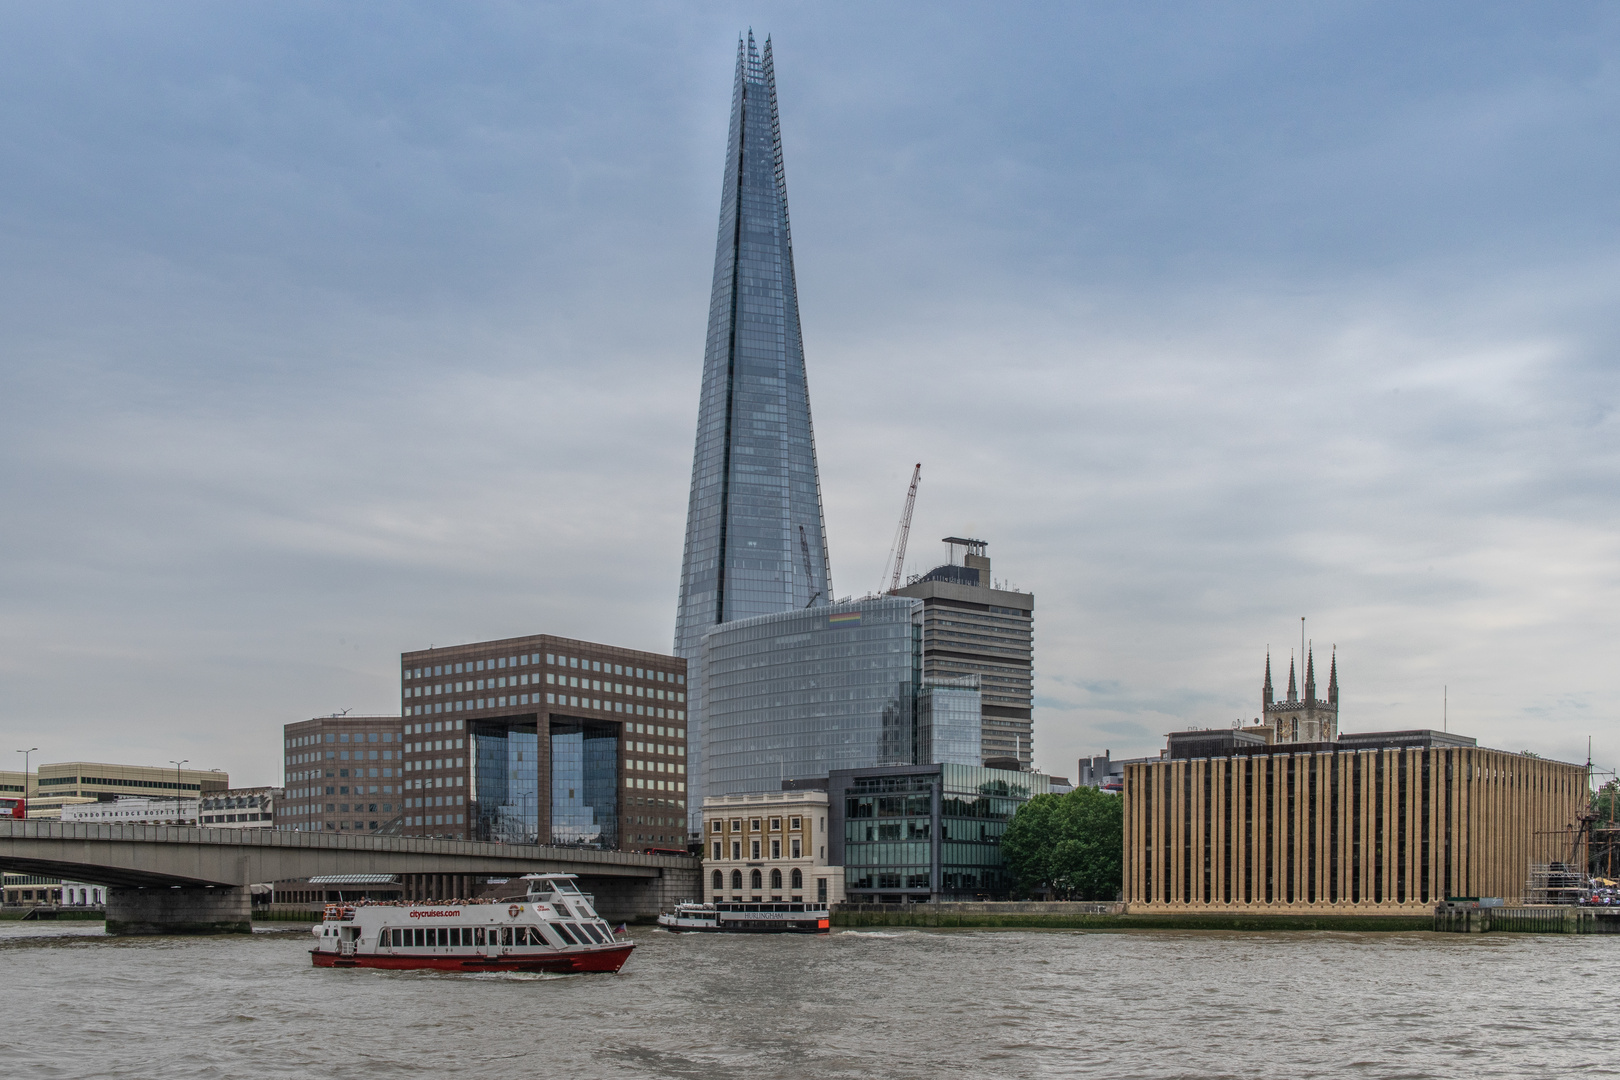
(15, 784)
(545, 740)
(756, 541)
(798, 694)
(973, 628)
(1382, 822)
(137, 810)
(343, 774)
(769, 846)
(949, 719)
(240, 808)
(1106, 772)
(924, 832)
(103, 782)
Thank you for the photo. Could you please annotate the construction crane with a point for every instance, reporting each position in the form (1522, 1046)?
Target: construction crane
(898, 551)
(809, 575)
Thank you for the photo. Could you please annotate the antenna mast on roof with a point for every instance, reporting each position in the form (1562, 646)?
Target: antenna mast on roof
(898, 550)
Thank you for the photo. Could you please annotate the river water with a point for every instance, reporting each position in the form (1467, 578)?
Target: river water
(901, 1004)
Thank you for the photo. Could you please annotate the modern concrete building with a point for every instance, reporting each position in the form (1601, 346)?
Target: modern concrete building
(756, 539)
(1383, 822)
(342, 774)
(1107, 773)
(971, 627)
(545, 739)
(769, 846)
(101, 781)
(924, 832)
(241, 808)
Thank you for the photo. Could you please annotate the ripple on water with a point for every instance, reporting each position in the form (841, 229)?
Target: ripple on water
(868, 1004)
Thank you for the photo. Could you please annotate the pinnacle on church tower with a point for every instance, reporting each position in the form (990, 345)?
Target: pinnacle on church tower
(1266, 693)
(1310, 676)
(1293, 692)
(1333, 678)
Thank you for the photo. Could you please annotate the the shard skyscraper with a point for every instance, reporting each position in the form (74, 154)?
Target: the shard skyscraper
(756, 542)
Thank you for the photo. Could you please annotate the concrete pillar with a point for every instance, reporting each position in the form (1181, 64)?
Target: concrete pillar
(220, 910)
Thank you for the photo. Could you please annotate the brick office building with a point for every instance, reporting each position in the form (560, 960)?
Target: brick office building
(343, 774)
(545, 739)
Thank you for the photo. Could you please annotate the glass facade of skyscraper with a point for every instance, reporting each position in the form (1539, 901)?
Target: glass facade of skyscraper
(948, 720)
(798, 694)
(755, 536)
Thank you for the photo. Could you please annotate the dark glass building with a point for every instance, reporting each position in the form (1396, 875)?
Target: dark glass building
(924, 832)
(755, 537)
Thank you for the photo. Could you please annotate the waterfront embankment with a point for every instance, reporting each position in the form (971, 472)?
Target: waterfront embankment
(1058, 915)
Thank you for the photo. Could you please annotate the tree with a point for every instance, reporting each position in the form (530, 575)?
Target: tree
(1072, 845)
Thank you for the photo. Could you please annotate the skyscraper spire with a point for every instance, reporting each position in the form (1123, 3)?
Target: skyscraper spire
(1310, 674)
(1293, 693)
(754, 474)
(1266, 695)
(1333, 678)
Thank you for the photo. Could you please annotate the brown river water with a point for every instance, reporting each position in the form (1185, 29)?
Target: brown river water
(897, 1004)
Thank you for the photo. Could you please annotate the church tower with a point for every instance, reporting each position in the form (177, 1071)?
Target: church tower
(1307, 718)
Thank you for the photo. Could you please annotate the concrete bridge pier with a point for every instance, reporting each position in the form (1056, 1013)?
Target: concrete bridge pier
(222, 909)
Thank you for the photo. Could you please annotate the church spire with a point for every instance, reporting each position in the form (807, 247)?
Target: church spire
(1293, 692)
(1310, 675)
(1266, 693)
(1333, 678)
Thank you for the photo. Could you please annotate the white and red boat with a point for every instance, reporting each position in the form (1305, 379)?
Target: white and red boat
(553, 928)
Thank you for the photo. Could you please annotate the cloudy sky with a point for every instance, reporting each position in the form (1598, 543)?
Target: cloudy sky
(329, 331)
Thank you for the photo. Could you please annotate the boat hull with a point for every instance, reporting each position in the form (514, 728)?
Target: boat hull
(595, 960)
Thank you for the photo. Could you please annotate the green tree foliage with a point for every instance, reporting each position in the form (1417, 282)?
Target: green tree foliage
(1072, 845)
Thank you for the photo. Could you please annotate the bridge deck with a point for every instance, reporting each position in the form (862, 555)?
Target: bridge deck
(163, 855)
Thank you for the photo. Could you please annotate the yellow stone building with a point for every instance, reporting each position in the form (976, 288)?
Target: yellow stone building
(1381, 823)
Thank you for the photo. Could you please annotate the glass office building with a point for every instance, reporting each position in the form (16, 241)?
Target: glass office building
(583, 788)
(948, 722)
(924, 832)
(796, 695)
(755, 537)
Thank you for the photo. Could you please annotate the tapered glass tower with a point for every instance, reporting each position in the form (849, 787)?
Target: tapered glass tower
(756, 542)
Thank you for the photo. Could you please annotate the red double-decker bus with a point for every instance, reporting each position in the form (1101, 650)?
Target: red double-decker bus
(13, 808)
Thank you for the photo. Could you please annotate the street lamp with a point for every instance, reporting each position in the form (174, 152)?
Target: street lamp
(25, 754)
(177, 765)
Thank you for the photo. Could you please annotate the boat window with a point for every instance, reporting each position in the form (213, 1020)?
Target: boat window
(562, 909)
(506, 935)
(589, 931)
(419, 937)
(565, 886)
(562, 931)
(478, 936)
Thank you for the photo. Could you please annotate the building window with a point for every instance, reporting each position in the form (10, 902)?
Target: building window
(736, 850)
(753, 825)
(736, 880)
(776, 849)
(719, 881)
(756, 880)
(754, 847)
(793, 823)
(776, 824)
(717, 852)
(797, 879)
(797, 853)
(736, 824)
(776, 880)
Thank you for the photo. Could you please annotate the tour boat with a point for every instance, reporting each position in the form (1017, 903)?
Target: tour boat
(736, 918)
(552, 928)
